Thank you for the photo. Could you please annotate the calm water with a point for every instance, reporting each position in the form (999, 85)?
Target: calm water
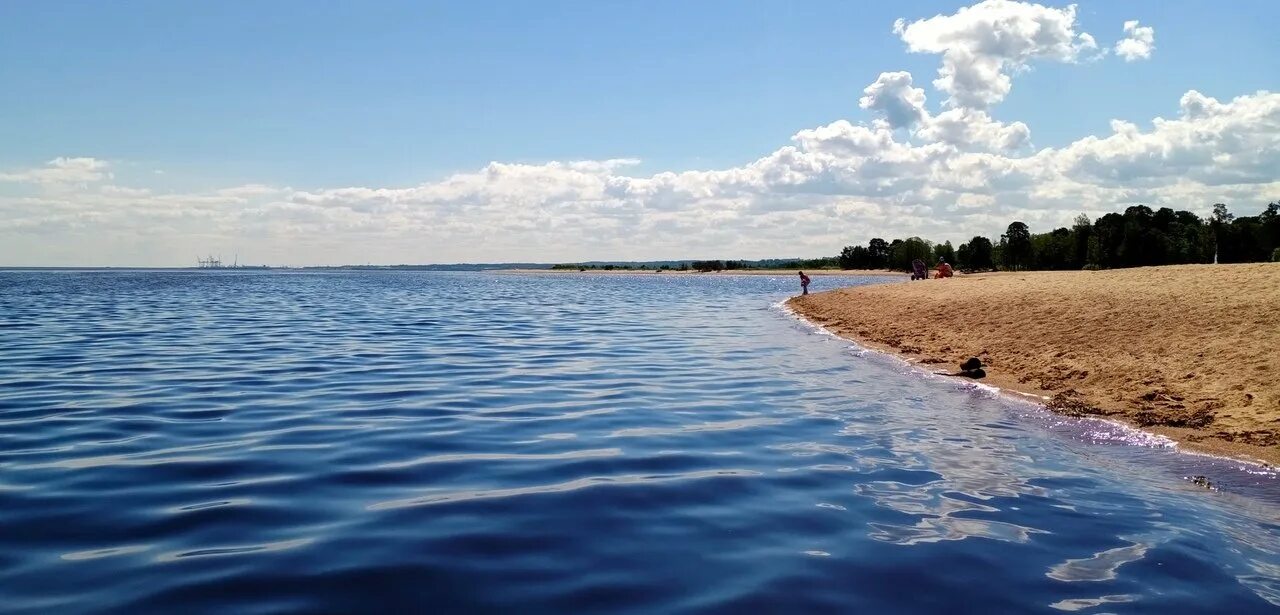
(282, 442)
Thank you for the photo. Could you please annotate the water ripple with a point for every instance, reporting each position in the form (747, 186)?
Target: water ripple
(300, 442)
(573, 485)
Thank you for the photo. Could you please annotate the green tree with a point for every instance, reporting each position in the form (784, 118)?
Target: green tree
(1081, 232)
(964, 258)
(1055, 250)
(1221, 231)
(1137, 237)
(1016, 243)
(855, 257)
(1270, 221)
(1093, 256)
(1109, 230)
(944, 252)
(907, 250)
(879, 252)
(1221, 215)
(981, 254)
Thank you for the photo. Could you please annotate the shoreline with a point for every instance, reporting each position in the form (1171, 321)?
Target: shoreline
(1084, 358)
(773, 272)
(1007, 390)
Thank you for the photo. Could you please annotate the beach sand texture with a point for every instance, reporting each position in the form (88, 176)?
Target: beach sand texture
(1188, 351)
(773, 272)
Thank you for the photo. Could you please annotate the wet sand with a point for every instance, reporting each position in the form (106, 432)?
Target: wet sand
(1190, 351)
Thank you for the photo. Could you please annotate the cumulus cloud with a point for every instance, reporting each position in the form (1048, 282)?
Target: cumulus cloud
(61, 171)
(830, 186)
(974, 129)
(901, 105)
(1210, 142)
(945, 175)
(1138, 42)
(893, 95)
(983, 45)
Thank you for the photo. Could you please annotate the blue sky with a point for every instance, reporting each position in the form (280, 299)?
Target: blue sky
(183, 97)
(317, 93)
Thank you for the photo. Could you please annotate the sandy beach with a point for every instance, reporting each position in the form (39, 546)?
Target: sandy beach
(792, 272)
(1191, 352)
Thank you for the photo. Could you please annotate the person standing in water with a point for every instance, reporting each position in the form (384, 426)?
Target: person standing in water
(804, 283)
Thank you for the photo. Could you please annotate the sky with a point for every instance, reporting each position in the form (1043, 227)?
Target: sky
(301, 133)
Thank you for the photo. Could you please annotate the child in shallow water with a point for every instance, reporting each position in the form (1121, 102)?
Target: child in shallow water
(804, 283)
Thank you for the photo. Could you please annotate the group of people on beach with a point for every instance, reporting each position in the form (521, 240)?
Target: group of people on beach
(920, 272)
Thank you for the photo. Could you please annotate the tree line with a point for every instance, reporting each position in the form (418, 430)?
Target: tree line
(1138, 237)
(798, 263)
(829, 262)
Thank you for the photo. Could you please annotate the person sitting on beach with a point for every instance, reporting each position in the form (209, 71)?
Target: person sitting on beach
(804, 283)
(944, 270)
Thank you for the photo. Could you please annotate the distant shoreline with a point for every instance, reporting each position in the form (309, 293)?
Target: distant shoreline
(1184, 351)
(459, 269)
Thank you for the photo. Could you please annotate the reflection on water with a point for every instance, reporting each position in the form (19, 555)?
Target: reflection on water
(1100, 566)
(582, 483)
(294, 442)
(1082, 604)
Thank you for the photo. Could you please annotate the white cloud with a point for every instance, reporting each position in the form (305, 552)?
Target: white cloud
(983, 45)
(893, 95)
(833, 185)
(61, 171)
(974, 129)
(1138, 43)
(946, 176)
(123, 191)
(903, 106)
(1211, 143)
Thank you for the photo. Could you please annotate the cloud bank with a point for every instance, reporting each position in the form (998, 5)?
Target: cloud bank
(946, 174)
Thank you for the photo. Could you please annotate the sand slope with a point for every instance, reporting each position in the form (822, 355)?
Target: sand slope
(773, 272)
(1191, 351)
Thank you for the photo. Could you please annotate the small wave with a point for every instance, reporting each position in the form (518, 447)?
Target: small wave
(267, 547)
(573, 485)
(295, 441)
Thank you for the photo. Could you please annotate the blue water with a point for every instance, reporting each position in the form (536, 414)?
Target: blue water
(417, 442)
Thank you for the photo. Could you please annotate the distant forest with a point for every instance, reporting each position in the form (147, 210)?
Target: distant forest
(829, 262)
(1139, 237)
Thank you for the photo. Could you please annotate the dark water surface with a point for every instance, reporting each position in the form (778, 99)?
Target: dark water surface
(283, 442)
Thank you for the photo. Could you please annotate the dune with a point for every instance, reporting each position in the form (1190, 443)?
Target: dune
(1189, 351)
